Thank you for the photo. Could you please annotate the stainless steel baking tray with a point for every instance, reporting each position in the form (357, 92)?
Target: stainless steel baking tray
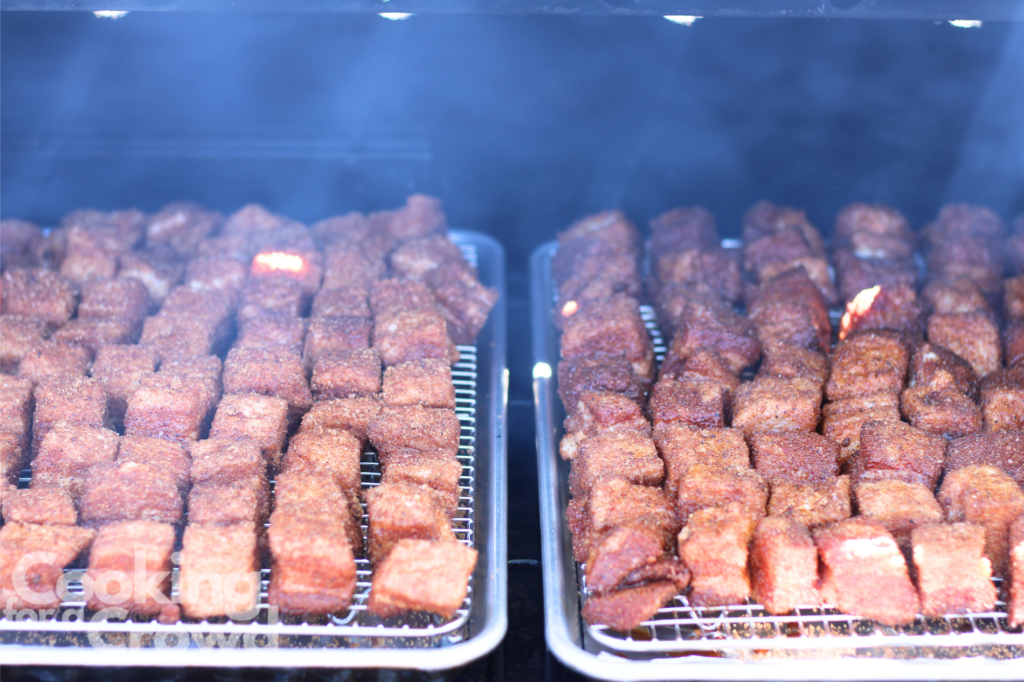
(741, 641)
(355, 638)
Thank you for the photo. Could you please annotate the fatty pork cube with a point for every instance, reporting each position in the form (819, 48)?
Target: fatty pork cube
(218, 461)
(314, 568)
(224, 505)
(76, 400)
(346, 301)
(713, 545)
(308, 270)
(709, 364)
(765, 218)
(313, 496)
(116, 231)
(608, 227)
(176, 337)
(960, 219)
(349, 374)
(219, 571)
(328, 453)
(972, 336)
(953, 576)
(771, 256)
(51, 505)
(273, 372)
(613, 327)
(968, 256)
(270, 329)
(349, 265)
(411, 427)
(621, 551)
(682, 447)
(422, 575)
(129, 491)
(1015, 598)
(715, 267)
(794, 457)
(615, 502)
(692, 400)
(706, 485)
(172, 459)
(440, 472)
(603, 373)
(900, 506)
(412, 335)
(121, 369)
(419, 217)
(213, 308)
(22, 244)
(464, 302)
(346, 414)
(389, 296)
(68, 451)
(866, 363)
(784, 360)
(18, 334)
(842, 419)
(812, 504)
(783, 566)
(790, 308)
(630, 456)
(166, 406)
(989, 497)
(596, 412)
(1002, 399)
(336, 333)
(1002, 449)
(203, 371)
(857, 274)
(875, 231)
(38, 586)
(893, 307)
(279, 295)
(126, 298)
(960, 295)
(52, 358)
(181, 226)
(771, 404)
(95, 334)
(139, 552)
(399, 511)
(864, 572)
(426, 382)
(713, 324)
(937, 367)
(943, 411)
(417, 257)
(16, 405)
(897, 450)
(157, 269)
(39, 293)
(222, 274)
(1013, 297)
(1013, 343)
(629, 607)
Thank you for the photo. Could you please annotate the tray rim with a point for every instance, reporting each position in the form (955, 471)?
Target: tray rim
(564, 632)
(489, 615)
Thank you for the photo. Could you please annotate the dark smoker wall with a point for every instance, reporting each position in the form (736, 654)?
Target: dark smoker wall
(521, 124)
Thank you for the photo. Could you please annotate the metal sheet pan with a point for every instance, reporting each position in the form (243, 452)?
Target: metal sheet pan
(354, 639)
(736, 642)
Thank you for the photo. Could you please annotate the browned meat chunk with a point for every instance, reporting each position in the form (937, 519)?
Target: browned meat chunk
(16, 407)
(329, 453)
(274, 372)
(223, 505)
(166, 406)
(707, 363)
(621, 551)
(351, 265)
(422, 575)
(68, 451)
(615, 502)
(1002, 399)
(713, 545)
(894, 307)
(439, 471)
(705, 485)
(22, 244)
(76, 400)
(335, 333)
(1002, 449)
(857, 274)
(691, 400)
(225, 275)
(937, 367)
(770, 256)
(39, 293)
(867, 363)
(989, 497)
(682, 229)
(784, 360)
(95, 334)
(277, 295)
(419, 217)
(344, 301)
(346, 414)
(716, 268)
(608, 227)
(627, 455)
(972, 336)
(271, 329)
(412, 335)
(896, 450)
(682, 447)
(226, 462)
(415, 428)
(129, 491)
(713, 324)
(219, 571)
(899, 506)
(812, 504)
(177, 337)
(125, 299)
(399, 511)
(420, 382)
(464, 302)
(181, 226)
(139, 551)
(943, 411)
(41, 577)
(874, 231)
(47, 505)
(600, 412)
(971, 257)
(628, 608)
(18, 334)
(965, 219)
(953, 576)
(48, 359)
(772, 404)
(347, 374)
(211, 307)
(157, 269)
(170, 457)
(121, 369)
(263, 419)
(960, 295)
(589, 269)
(783, 566)
(610, 327)
(610, 374)
(794, 457)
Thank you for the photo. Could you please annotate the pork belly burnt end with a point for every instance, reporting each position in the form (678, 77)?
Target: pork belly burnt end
(1001, 449)
(610, 326)
(623, 550)
(49, 505)
(399, 511)
(953, 575)
(896, 450)
(944, 411)
(771, 404)
(271, 329)
(894, 307)
(67, 453)
(345, 301)
(790, 308)
(874, 231)
(464, 302)
(422, 575)
(794, 457)
(170, 457)
(274, 372)
(52, 358)
(783, 566)
(425, 382)
(129, 491)
(713, 545)
(415, 428)
(626, 455)
(1002, 399)
(811, 504)
(158, 270)
(212, 504)
(439, 471)
(227, 462)
(40, 293)
(166, 406)
(899, 506)
(333, 334)
(346, 414)
(219, 571)
(63, 543)
(599, 412)
(140, 551)
(615, 502)
(18, 334)
(682, 447)
(75, 400)
(176, 337)
(710, 322)
(314, 565)
(784, 360)
(16, 406)
(1013, 343)
(867, 363)
(960, 295)
(602, 373)
(704, 486)
(328, 453)
(857, 274)
(972, 336)
(690, 400)
(937, 367)
(121, 370)
(627, 608)
(347, 374)
(986, 496)
(264, 419)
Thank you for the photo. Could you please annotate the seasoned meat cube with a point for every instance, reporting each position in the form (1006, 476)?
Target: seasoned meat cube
(411, 427)
(425, 382)
(943, 411)
(842, 419)
(716, 268)
(706, 363)
(346, 301)
(238, 248)
(252, 221)
(419, 217)
(127, 298)
(349, 374)
(18, 334)
(68, 451)
(874, 231)
(273, 372)
(334, 454)
(289, 261)
(270, 329)
(1013, 296)
(601, 373)
(412, 335)
(972, 336)
(1015, 600)
(95, 334)
(965, 219)
(960, 295)
(771, 256)
(765, 218)
(900, 506)
(166, 406)
(610, 327)
(866, 363)
(314, 564)
(440, 472)
(713, 545)
(893, 307)
(157, 269)
(277, 295)
(223, 505)
(627, 608)
(54, 359)
(692, 400)
(596, 271)
(790, 307)
(347, 414)
(953, 576)
(223, 462)
(464, 302)
(682, 228)
(857, 274)
(422, 575)
(138, 552)
(1013, 343)
(16, 406)
(350, 265)
(896, 450)
(219, 571)
(714, 325)
(784, 360)
(705, 485)
(121, 369)
(171, 458)
(222, 274)
(40, 293)
(36, 586)
(263, 419)
(771, 404)
(116, 231)
(627, 455)
(213, 308)
(989, 497)
(865, 573)
(621, 551)
(181, 226)
(1002, 449)
(129, 491)
(794, 457)
(403, 510)
(390, 296)
(811, 504)
(335, 333)
(610, 227)
(48, 505)
(613, 503)
(22, 244)
(75, 400)
(936, 367)
(1002, 399)
(204, 371)
(783, 566)
(682, 447)
(969, 256)
(417, 257)
(177, 337)
(597, 412)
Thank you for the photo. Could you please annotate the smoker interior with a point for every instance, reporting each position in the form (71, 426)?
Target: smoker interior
(521, 124)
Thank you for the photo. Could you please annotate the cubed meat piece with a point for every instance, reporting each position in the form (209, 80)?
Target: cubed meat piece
(412, 335)
(615, 502)
(899, 506)
(874, 231)
(219, 571)
(126, 298)
(157, 269)
(713, 545)
(37, 585)
(116, 231)
(269, 330)
(713, 324)
(415, 428)
(219, 461)
(812, 504)
(682, 447)
(706, 485)
(864, 572)
(709, 364)
(1013, 294)
(168, 456)
(314, 568)
(682, 228)
(867, 363)
(771, 404)
(972, 336)
(609, 227)
(960, 295)
(46, 505)
(425, 382)
(794, 457)
(277, 295)
(630, 607)
(690, 400)
(784, 360)
(12, 459)
(336, 333)
(714, 267)
(1013, 343)
(597, 412)
(986, 496)
(346, 301)
(943, 411)
(95, 334)
(399, 511)
(897, 450)
(964, 219)
(842, 419)
(181, 226)
(273, 372)
(765, 218)
(893, 307)
(441, 473)
(129, 491)
(213, 308)
(421, 216)
(86, 263)
(464, 302)
(53, 358)
(18, 334)
(224, 505)
(1015, 598)
(629, 456)
(589, 269)
(354, 265)
(203, 371)
(351, 374)
(16, 405)
(621, 551)
(328, 453)
(953, 575)
(970, 257)
(614, 375)
(1002, 449)
(121, 369)
(1002, 399)
(347, 414)
(238, 248)
(290, 262)
(857, 274)
(610, 327)
(75, 400)
(937, 367)
(783, 566)
(22, 244)
(130, 566)
(176, 337)
(790, 308)
(39, 293)
(68, 451)
(225, 275)
(422, 575)
(390, 296)
(166, 406)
